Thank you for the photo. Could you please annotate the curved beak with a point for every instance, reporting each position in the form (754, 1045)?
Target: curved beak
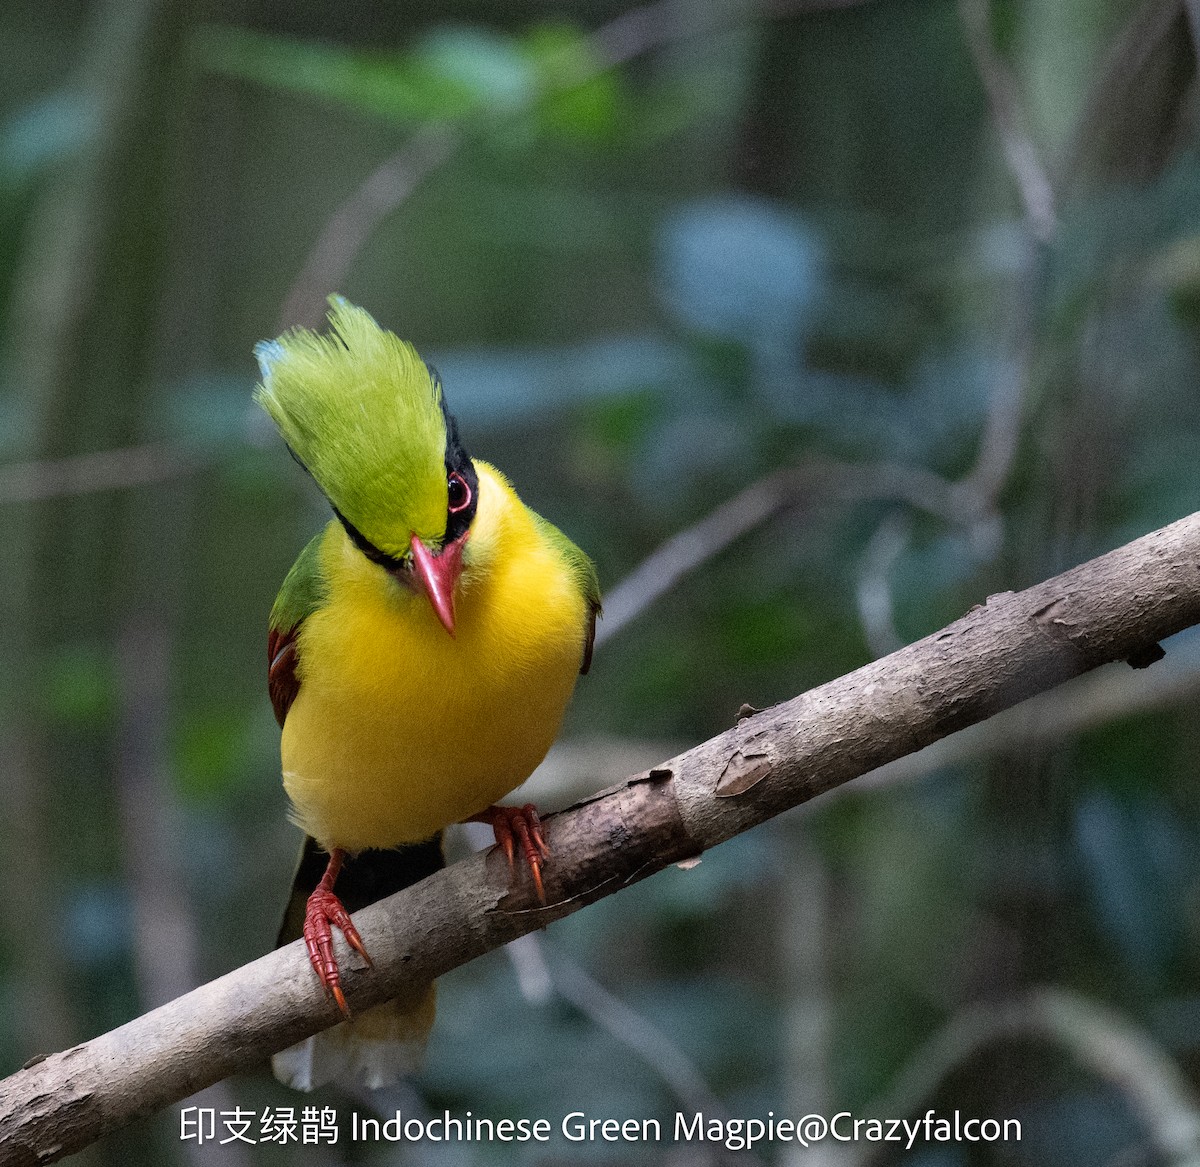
(436, 575)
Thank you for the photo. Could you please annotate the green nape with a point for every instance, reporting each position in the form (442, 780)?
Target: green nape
(360, 410)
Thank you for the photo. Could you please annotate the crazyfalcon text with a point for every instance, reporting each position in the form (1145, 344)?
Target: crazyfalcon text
(734, 1134)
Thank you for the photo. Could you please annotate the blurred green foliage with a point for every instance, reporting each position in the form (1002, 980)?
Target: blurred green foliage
(452, 73)
(765, 237)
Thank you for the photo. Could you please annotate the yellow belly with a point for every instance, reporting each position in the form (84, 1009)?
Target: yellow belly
(399, 729)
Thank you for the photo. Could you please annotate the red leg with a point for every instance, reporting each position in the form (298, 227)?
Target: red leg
(325, 909)
(515, 825)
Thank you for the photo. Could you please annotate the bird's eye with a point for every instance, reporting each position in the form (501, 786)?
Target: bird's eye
(460, 493)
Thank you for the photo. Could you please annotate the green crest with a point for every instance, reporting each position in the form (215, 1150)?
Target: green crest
(360, 410)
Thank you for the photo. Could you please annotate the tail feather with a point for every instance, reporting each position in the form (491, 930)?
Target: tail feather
(384, 1044)
(376, 1049)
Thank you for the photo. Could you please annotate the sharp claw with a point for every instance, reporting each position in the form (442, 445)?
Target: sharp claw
(502, 829)
(513, 826)
(355, 942)
(533, 824)
(340, 998)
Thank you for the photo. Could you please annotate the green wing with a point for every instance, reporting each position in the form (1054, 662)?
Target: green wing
(583, 571)
(303, 592)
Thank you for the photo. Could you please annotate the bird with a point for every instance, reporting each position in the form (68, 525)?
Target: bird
(421, 654)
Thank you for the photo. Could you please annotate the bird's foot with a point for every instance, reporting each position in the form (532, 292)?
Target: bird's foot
(322, 911)
(519, 826)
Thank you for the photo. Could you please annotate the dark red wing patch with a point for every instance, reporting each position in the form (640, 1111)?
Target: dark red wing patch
(282, 682)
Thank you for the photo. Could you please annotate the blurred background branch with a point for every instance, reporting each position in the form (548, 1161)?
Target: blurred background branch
(87, 473)
(1037, 195)
(1100, 1041)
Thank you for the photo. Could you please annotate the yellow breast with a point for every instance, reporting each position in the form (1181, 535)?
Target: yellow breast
(399, 729)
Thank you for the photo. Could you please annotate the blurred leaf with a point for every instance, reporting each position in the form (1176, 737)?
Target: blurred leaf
(80, 684)
(619, 424)
(453, 72)
(397, 87)
(767, 632)
(740, 268)
(591, 110)
(211, 751)
(96, 923)
(44, 133)
(480, 62)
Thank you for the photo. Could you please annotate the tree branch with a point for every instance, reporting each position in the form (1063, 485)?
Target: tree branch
(1116, 607)
(1044, 721)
